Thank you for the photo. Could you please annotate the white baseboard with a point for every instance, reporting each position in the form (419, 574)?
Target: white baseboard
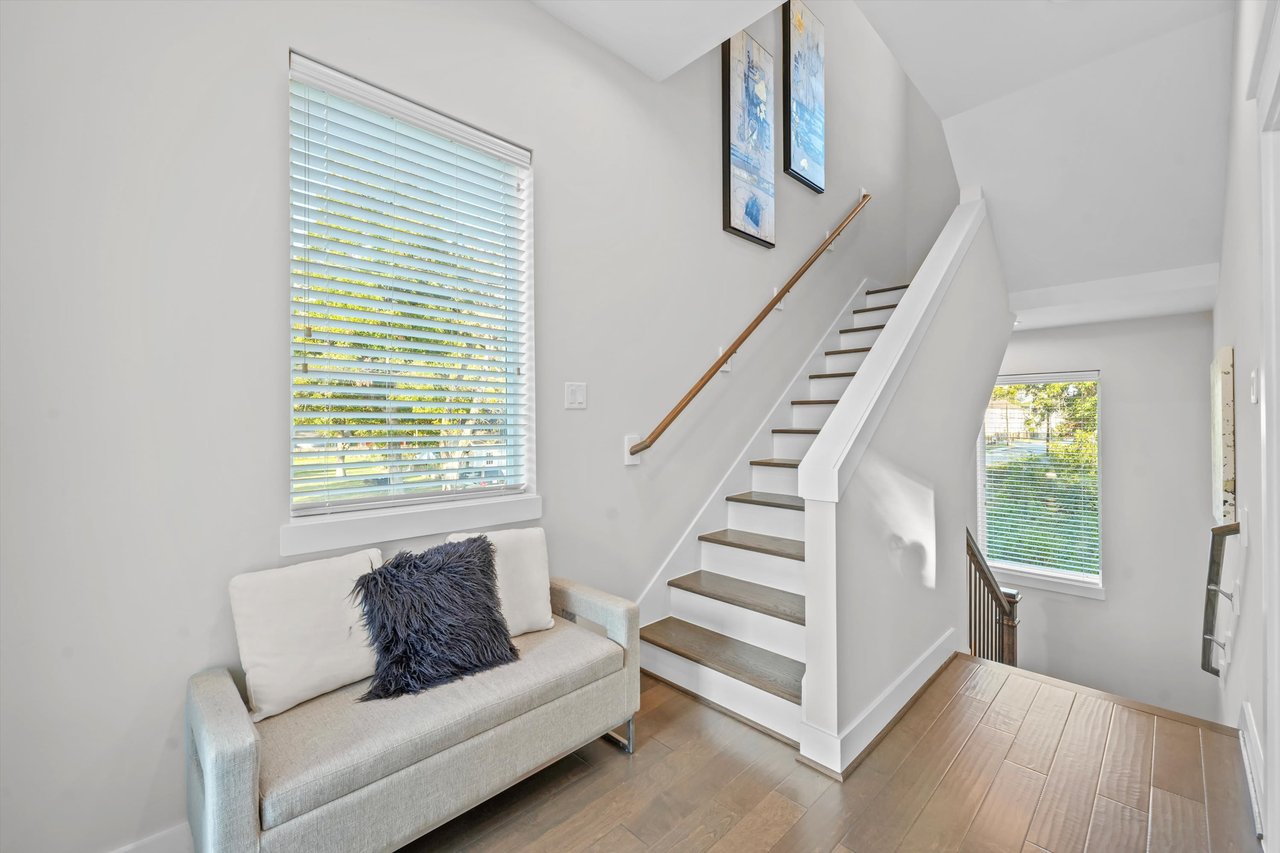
(836, 753)
(175, 839)
(1251, 750)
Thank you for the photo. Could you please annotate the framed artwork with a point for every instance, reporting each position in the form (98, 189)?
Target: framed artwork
(1223, 409)
(748, 139)
(804, 96)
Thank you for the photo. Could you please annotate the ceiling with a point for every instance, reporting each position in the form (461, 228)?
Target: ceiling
(962, 53)
(658, 36)
(1097, 132)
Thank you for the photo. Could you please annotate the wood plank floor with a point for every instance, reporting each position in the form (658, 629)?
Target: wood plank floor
(988, 759)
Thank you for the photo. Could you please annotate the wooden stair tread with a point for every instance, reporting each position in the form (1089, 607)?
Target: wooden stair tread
(849, 351)
(814, 402)
(887, 289)
(774, 462)
(861, 329)
(876, 308)
(775, 546)
(833, 375)
(795, 431)
(772, 499)
(749, 664)
(752, 596)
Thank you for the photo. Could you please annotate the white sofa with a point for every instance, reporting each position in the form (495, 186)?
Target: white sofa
(333, 775)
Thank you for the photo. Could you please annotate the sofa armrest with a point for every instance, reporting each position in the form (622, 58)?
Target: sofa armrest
(619, 617)
(222, 766)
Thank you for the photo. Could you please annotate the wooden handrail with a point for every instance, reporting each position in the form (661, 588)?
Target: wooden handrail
(647, 442)
(993, 610)
(1212, 592)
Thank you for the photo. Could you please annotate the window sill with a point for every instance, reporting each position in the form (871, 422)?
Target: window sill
(1023, 578)
(352, 529)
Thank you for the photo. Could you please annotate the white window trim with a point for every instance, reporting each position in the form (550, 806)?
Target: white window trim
(307, 534)
(1034, 577)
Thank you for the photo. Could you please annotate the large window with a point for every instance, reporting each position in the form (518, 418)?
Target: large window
(1039, 475)
(410, 287)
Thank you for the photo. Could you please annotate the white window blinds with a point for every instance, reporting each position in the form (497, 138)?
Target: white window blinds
(410, 286)
(1040, 477)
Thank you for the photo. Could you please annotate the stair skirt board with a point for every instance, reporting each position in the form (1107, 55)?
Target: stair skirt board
(772, 713)
(768, 520)
(784, 481)
(767, 632)
(764, 569)
(791, 446)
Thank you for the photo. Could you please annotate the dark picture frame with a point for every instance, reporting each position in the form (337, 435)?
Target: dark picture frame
(747, 110)
(804, 114)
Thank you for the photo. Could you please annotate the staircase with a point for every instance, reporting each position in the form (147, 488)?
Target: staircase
(735, 635)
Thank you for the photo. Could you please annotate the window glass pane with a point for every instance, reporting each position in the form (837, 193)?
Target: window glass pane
(1040, 449)
(409, 310)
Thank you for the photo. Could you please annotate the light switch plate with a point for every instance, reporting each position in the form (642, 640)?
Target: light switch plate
(727, 367)
(629, 441)
(1253, 386)
(575, 395)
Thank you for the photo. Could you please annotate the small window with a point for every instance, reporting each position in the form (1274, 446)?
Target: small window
(410, 291)
(1039, 475)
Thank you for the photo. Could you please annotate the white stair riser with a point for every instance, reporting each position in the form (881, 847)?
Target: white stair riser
(872, 318)
(784, 481)
(845, 361)
(766, 569)
(768, 632)
(810, 417)
(768, 710)
(828, 389)
(791, 446)
(769, 520)
(850, 340)
(890, 298)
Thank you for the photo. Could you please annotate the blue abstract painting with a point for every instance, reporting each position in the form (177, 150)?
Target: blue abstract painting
(805, 115)
(748, 130)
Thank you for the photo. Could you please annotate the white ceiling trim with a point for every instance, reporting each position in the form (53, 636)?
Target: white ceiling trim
(1185, 290)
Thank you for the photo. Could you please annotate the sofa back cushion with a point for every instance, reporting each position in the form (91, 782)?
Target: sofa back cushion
(300, 632)
(524, 577)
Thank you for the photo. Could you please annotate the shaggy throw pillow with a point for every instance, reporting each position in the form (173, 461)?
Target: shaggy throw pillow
(433, 617)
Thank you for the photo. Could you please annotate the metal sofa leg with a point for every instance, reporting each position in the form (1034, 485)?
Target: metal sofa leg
(628, 743)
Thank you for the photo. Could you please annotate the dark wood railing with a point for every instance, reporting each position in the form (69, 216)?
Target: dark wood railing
(647, 442)
(1212, 592)
(993, 611)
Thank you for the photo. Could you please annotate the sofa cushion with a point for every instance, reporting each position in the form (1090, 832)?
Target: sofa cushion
(524, 577)
(334, 744)
(299, 630)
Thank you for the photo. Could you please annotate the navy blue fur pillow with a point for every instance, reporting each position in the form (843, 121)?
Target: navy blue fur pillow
(433, 617)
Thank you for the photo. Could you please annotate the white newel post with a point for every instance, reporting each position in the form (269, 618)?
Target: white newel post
(820, 708)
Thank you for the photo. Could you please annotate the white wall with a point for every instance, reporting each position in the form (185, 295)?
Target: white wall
(1237, 323)
(1144, 639)
(901, 518)
(143, 323)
